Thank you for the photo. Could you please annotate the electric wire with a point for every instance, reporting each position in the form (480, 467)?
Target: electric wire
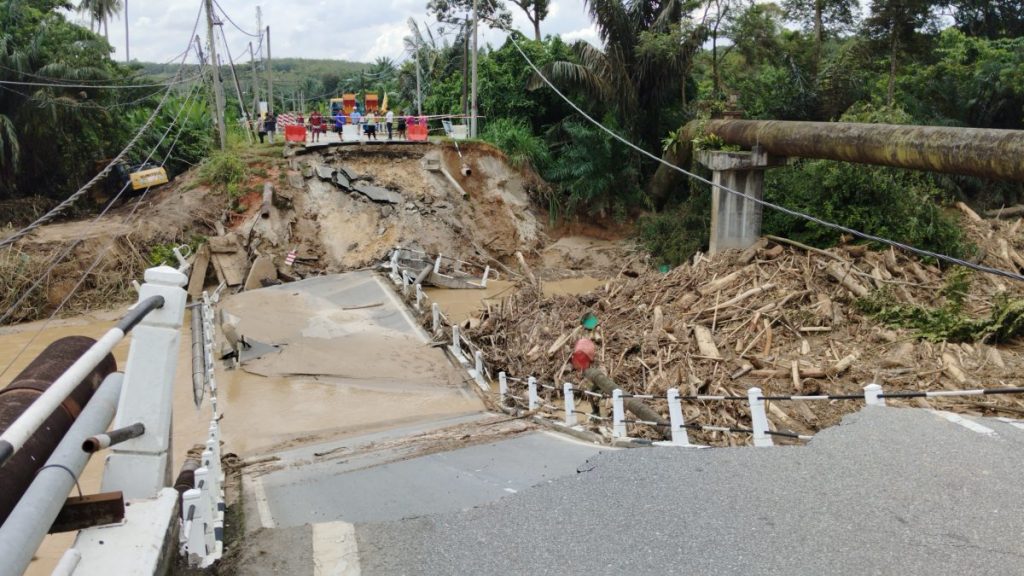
(237, 27)
(175, 80)
(102, 253)
(839, 227)
(67, 202)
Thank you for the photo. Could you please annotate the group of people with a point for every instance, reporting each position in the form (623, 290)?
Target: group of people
(368, 124)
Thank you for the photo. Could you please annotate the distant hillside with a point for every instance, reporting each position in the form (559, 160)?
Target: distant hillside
(317, 78)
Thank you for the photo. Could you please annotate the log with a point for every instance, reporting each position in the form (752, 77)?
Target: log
(719, 284)
(846, 279)
(843, 365)
(1011, 212)
(642, 412)
(950, 366)
(971, 214)
(526, 269)
(705, 342)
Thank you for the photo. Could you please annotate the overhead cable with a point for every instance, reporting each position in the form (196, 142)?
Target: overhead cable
(839, 227)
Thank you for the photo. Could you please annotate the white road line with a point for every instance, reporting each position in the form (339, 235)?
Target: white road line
(335, 551)
(1011, 422)
(400, 306)
(969, 424)
(254, 486)
(574, 440)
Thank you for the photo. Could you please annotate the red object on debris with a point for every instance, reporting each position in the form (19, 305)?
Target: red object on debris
(583, 353)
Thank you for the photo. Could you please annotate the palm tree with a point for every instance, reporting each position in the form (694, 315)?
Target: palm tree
(648, 50)
(100, 12)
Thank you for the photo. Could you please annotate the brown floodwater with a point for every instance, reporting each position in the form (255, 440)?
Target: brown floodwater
(189, 424)
(459, 305)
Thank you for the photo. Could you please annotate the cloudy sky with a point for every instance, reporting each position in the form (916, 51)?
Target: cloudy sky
(357, 30)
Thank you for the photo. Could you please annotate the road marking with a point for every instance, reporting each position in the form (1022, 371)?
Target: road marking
(1011, 422)
(335, 550)
(255, 487)
(969, 424)
(402, 309)
(574, 440)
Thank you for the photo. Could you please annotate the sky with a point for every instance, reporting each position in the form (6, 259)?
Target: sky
(333, 29)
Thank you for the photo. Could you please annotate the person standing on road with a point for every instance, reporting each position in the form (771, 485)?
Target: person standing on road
(271, 126)
(315, 123)
(389, 118)
(355, 121)
(339, 123)
(371, 125)
(262, 127)
(401, 126)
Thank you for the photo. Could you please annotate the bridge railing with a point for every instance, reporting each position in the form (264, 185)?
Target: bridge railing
(540, 397)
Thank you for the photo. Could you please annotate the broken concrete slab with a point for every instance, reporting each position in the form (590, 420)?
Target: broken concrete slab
(342, 180)
(295, 181)
(263, 269)
(225, 244)
(324, 172)
(348, 173)
(378, 194)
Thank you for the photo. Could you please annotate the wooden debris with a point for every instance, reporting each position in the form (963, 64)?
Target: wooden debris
(705, 342)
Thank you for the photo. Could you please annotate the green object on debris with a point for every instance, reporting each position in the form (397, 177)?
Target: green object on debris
(589, 321)
(664, 268)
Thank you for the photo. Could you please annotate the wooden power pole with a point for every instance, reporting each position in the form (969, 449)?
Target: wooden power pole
(218, 88)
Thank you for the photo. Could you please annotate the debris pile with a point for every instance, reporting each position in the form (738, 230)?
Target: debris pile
(780, 316)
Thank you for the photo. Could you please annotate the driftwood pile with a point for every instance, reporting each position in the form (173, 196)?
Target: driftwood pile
(779, 316)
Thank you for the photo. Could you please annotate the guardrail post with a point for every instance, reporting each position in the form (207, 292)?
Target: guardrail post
(435, 317)
(437, 265)
(140, 467)
(206, 504)
(531, 385)
(872, 395)
(394, 265)
(675, 414)
(618, 415)
(502, 388)
(483, 280)
(759, 418)
(195, 526)
(419, 298)
(570, 404)
(478, 369)
(456, 346)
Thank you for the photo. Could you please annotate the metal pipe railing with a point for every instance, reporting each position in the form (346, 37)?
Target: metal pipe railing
(29, 422)
(31, 519)
(98, 442)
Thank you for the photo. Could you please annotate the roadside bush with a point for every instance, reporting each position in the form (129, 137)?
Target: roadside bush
(899, 204)
(675, 234)
(223, 171)
(516, 140)
(595, 174)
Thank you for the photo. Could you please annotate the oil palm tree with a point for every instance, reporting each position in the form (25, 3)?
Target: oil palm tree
(648, 50)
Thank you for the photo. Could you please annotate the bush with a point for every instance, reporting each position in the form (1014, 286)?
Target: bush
(674, 235)
(223, 171)
(595, 173)
(898, 204)
(514, 138)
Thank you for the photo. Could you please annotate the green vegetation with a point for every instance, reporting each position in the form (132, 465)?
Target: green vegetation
(164, 253)
(514, 138)
(949, 321)
(224, 171)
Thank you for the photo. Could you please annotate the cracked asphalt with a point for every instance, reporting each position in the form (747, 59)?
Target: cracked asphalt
(890, 491)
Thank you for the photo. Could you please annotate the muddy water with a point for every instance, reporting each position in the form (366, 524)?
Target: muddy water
(459, 305)
(189, 425)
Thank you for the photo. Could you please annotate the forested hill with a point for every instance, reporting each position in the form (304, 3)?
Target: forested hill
(315, 77)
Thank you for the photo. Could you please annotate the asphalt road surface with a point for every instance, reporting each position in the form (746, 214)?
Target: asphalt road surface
(891, 491)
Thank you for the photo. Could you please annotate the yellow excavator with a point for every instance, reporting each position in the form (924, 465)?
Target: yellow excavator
(133, 179)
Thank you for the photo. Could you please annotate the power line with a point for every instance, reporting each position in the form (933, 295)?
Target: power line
(106, 170)
(102, 253)
(839, 227)
(175, 80)
(239, 28)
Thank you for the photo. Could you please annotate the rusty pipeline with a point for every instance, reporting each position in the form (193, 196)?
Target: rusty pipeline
(17, 473)
(268, 198)
(983, 152)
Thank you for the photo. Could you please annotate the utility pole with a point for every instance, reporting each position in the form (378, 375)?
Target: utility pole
(465, 67)
(127, 54)
(238, 91)
(270, 76)
(218, 89)
(255, 86)
(419, 95)
(473, 94)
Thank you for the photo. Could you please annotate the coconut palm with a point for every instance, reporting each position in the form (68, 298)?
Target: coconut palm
(100, 12)
(648, 49)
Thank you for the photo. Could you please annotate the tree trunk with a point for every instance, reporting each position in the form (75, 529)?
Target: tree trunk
(536, 27)
(819, 33)
(891, 92)
(632, 405)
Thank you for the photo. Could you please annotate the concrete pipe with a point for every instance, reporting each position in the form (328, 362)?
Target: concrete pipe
(17, 474)
(466, 171)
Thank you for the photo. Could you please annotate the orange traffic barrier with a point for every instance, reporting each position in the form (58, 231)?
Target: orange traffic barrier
(295, 133)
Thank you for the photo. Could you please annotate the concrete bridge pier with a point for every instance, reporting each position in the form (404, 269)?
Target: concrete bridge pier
(735, 220)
